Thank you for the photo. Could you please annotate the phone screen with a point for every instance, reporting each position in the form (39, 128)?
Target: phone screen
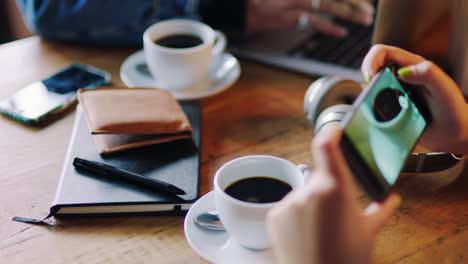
(41, 98)
(382, 130)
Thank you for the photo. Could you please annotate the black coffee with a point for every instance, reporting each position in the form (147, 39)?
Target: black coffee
(181, 41)
(258, 189)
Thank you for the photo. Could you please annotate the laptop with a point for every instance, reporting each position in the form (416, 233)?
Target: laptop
(317, 54)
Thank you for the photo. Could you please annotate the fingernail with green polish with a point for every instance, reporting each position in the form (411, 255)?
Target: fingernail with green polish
(366, 77)
(405, 72)
(398, 202)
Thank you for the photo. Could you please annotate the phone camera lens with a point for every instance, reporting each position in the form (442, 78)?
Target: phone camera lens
(388, 104)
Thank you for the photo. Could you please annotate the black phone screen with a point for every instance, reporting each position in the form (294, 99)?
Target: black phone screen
(381, 131)
(71, 79)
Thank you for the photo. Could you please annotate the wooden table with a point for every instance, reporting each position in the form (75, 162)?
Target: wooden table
(262, 113)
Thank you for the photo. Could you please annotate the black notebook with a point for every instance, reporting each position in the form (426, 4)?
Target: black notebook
(176, 162)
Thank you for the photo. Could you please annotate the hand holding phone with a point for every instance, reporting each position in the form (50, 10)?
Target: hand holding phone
(385, 123)
(35, 103)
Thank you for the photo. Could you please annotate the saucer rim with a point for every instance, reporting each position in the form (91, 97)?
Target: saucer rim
(189, 223)
(189, 218)
(179, 95)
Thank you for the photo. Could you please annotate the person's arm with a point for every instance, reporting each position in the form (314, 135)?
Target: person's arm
(101, 21)
(448, 130)
(124, 21)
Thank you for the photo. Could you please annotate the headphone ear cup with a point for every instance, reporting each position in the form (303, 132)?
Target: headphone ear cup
(328, 91)
(333, 114)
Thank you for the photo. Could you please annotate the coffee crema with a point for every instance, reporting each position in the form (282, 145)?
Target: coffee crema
(258, 189)
(179, 41)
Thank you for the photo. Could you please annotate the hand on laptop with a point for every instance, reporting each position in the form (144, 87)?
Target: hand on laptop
(265, 15)
(448, 130)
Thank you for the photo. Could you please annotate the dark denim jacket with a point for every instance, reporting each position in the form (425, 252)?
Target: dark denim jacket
(122, 21)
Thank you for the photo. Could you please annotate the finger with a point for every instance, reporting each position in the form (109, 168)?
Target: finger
(436, 82)
(442, 95)
(329, 158)
(380, 54)
(356, 11)
(357, 2)
(326, 26)
(378, 214)
(289, 19)
(364, 9)
(283, 222)
(290, 220)
(266, 21)
(428, 74)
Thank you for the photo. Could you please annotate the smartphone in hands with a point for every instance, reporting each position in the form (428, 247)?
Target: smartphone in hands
(36, 103)
(386, 121)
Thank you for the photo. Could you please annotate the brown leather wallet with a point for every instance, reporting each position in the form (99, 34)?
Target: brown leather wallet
(124, 118)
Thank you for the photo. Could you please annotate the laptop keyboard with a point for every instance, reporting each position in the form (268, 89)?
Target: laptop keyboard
(347, 52)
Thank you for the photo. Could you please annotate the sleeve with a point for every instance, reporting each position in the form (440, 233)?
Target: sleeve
(122, 21)
(228, 16)
(99, 21)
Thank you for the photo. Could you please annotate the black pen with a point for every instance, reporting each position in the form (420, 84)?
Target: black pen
(113, 172)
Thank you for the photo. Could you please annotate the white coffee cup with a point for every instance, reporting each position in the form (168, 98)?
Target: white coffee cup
(245, 221)
(179, 68)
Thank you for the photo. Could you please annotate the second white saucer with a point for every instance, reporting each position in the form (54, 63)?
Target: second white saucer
(224, 71)
(219, 246)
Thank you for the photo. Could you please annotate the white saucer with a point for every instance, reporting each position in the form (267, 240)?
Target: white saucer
(224, 71)
(218, 246)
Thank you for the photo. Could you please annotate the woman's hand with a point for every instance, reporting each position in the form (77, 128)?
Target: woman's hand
(265, 15)
(322, 222)
(448, 130)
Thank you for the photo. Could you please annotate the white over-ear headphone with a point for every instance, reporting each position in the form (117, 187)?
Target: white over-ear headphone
(328, 99)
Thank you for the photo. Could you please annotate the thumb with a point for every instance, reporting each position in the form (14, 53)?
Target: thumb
(378, 214)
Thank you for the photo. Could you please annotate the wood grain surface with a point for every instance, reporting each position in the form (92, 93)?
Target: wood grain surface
(262, 113)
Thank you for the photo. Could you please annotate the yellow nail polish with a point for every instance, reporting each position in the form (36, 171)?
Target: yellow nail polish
(405, 72)
(366, 77)
(398, 202)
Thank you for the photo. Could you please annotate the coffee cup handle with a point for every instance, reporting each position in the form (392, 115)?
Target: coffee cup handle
(306, 171)
(220, 44)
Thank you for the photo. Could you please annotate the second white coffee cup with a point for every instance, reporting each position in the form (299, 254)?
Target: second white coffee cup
(175, 67)
(245, 221)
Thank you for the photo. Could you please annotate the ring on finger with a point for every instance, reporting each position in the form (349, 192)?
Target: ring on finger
(303, 22)
(316, 4)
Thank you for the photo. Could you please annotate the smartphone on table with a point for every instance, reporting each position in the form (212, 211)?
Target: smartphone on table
(386, 122)
(37, 102)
